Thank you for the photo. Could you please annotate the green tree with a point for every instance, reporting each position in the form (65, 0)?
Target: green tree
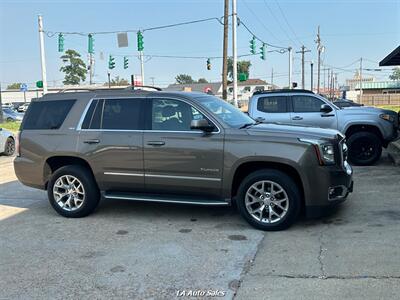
(14, 86)
(395, 75)
(117, 81)
(75, 70)
(202, 80)
(184, 79)
(243, 66)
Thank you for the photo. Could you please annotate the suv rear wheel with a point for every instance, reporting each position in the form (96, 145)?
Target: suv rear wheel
(365, 148)
(269, 200)
(9, 149)
(73, 192)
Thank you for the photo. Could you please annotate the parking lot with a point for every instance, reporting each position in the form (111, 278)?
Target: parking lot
(141, 250)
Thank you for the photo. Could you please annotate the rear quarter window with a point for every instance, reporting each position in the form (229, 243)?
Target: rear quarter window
(47, 114)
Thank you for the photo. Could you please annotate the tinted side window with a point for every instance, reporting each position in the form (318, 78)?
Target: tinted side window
(89, 115)
(306, 104)
(173, 115)
(47, 114)
(275, 104)
(123, 114)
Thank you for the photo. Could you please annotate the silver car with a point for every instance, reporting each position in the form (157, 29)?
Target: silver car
(7, 142)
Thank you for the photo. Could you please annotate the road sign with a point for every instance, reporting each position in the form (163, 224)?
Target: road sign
(23, 87)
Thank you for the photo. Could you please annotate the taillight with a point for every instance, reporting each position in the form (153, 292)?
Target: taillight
(18, 144)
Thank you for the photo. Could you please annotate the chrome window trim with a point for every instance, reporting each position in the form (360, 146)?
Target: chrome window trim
(79, 127)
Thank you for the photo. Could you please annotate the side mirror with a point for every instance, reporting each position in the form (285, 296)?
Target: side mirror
(260, 119)
(325, 108)
(202, 125)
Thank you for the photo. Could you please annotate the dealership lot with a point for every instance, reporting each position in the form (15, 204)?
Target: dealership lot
(141, 250)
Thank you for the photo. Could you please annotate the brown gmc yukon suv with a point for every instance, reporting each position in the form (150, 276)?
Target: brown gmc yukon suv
(177, 147)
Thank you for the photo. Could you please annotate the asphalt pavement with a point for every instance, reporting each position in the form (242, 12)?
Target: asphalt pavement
(158, 251)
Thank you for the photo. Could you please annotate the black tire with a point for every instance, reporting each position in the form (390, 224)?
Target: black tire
(10, 119)
(365, 148)
(288, 185)
(9, 148)
(91, 191)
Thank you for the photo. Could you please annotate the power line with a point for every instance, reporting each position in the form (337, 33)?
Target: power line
(53, 33)
(284, 49)
(287, 23)
(260, 21)
(278, 22)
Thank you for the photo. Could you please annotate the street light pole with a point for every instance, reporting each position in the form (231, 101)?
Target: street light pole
(312, 76)
(234, 52)
(290, 67)
(42, 55)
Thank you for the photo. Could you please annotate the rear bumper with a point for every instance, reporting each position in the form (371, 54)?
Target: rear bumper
(28, 173)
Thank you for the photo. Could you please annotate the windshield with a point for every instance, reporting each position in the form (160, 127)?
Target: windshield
(225, 111)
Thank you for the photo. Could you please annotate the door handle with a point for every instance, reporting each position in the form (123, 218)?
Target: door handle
(156, 143)
(94, 141)
(297, 118)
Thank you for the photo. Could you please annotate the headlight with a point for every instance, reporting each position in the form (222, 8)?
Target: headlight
(328, 153)
(387, 117)
(325, 151)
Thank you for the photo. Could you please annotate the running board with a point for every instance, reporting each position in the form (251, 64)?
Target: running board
(164, 199)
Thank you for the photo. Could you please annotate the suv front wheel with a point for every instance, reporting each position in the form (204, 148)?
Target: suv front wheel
(269, 200)
(73, 192)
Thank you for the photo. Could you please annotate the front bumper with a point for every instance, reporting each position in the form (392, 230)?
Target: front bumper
(328, 190)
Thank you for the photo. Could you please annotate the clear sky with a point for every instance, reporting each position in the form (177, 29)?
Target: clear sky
(349, 30)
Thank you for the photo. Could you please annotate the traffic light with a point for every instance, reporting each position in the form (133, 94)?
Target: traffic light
(140, 46)
(262, 51)
(111, 62)
(60, 42)
(253, 45)
(208, 64)
(126, 62)
(90, 43)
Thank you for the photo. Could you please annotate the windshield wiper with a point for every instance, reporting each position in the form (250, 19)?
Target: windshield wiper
(247, 125)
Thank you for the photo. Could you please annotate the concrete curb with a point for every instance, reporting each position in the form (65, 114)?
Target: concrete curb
(394, 152)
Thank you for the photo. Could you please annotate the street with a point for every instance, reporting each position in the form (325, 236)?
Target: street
(143, 250)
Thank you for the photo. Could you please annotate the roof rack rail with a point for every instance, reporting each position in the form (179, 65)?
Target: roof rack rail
(283, 91)
(143, 86)
(74, 89)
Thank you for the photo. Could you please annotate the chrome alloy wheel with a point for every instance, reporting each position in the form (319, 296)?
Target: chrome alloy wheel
(69, 192)
(266, 201)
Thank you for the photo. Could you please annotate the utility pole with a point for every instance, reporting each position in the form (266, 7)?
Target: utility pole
(272, 78)
(303, 51)
(329, 81)
(312, 76)
(225, 52)
(109, 79)
(320, 49)
(91, 64)
(42, 55)
(141, 65)
(234, 52)
(361, 91)
(290, 67)
(1, 103)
